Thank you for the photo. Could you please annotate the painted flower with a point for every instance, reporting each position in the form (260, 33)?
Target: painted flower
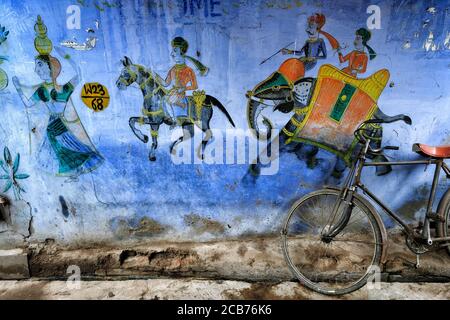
(11, 175)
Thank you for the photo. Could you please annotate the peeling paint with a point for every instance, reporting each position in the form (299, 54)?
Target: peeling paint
(202, 225)
(64, 207)
(145, 227)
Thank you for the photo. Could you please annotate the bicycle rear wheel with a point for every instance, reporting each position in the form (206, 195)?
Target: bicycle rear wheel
(341, 265)
(443, 227)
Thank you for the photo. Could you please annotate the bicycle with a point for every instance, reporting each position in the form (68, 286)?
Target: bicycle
(334, 239)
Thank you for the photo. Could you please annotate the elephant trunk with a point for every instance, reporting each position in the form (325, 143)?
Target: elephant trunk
(389, 119)
(253, 110)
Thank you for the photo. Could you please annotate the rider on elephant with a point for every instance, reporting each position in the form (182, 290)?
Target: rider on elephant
(358, 59)
(313, 49)
(281, 85)
(183, 79)
(294, 69)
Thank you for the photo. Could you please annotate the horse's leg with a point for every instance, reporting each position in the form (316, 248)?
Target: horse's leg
(188, 133)
(207, 114)
(132, 122)
(154, 128)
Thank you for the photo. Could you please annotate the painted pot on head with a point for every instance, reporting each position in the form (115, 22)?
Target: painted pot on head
(3, 80)
(42, 43)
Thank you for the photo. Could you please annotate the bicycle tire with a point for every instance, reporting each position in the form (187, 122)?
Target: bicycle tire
(443, 227)
(358, 202)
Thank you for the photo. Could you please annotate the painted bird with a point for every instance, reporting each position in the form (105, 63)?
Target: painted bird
(3, 34)
(431, 10)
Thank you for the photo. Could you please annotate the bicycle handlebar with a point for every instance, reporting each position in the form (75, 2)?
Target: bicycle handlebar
(391, 148)
(361, 128)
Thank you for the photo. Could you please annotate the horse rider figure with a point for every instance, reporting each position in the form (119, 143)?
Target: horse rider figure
(313, 49)
(183, 79)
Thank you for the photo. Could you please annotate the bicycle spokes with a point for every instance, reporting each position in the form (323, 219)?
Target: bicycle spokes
(331, 252)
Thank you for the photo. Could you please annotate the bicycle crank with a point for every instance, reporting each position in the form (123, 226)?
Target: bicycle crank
(415, 246)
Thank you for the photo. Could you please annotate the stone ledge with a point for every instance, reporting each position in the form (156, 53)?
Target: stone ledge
(13, 264)
(253, 259)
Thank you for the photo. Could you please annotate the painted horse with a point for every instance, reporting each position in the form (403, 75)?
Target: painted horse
(156, 106)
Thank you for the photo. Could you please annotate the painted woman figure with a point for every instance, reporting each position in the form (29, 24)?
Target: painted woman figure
(313, 50)
(182, 77)
(358, 59)
(66, 148)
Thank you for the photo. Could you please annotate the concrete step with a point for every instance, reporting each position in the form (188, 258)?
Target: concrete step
(196, 289)
(253, 259)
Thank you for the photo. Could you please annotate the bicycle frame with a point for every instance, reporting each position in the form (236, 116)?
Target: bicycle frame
(353, 183)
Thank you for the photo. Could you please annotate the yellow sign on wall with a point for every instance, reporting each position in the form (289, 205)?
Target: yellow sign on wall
(95, 96)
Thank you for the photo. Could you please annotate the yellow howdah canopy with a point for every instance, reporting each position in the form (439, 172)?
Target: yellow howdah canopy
(340, 103)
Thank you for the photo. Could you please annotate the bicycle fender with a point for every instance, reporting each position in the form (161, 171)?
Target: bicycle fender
(384, 236)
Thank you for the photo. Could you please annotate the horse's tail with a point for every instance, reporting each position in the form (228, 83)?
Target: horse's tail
(219, 105)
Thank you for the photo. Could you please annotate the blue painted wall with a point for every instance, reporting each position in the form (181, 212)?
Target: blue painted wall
(128, 197)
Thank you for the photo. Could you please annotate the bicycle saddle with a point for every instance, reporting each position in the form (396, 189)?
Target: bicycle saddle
(442, 152)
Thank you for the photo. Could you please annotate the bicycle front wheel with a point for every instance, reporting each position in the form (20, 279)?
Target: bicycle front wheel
(331, 266)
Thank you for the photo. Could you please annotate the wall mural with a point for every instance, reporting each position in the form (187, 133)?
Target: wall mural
(66, 149)
(3, 76)
(172, 106)
(302, 73)
(11, 176)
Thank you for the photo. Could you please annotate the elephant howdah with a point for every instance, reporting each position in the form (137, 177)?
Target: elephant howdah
(340, 103)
